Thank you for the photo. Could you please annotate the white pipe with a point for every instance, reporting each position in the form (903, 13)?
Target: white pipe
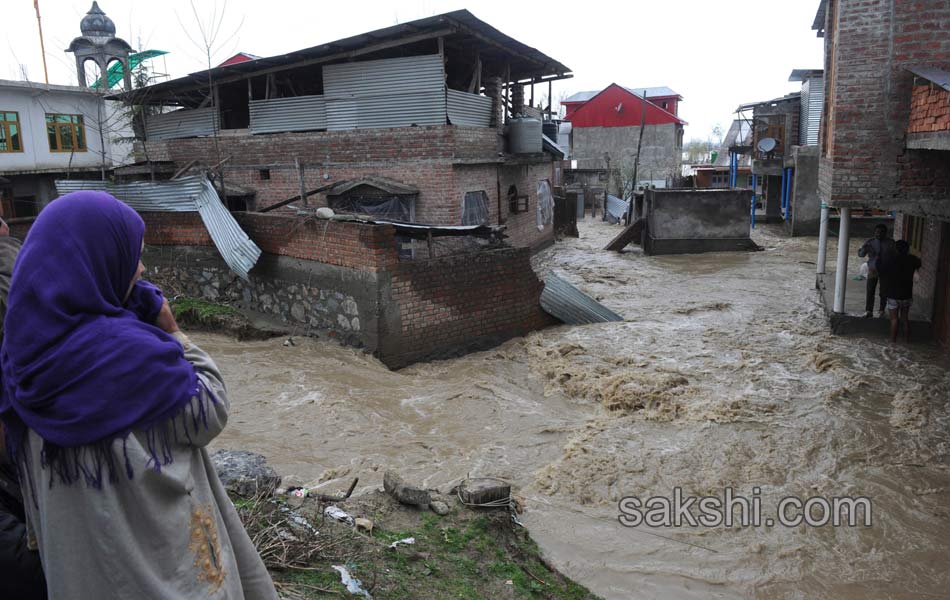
(841, 272)
(823, 240)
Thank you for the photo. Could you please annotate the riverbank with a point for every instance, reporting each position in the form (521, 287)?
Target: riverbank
(466, 554)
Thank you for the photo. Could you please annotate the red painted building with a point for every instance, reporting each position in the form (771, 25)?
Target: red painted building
(661, 97)
(605, 133)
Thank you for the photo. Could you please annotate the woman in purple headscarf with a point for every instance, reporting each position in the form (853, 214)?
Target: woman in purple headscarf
(108, 408)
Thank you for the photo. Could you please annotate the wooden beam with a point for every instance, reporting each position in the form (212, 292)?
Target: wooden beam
(296, 198)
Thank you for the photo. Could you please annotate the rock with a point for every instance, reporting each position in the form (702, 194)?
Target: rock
(325, 213)
(439, 507)
(299, 312)
(364, 524)
(350, 307)
(486, 491)
(245, 473)
(406, 494)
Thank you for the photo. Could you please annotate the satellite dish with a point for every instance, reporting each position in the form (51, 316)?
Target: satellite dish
(766, 145)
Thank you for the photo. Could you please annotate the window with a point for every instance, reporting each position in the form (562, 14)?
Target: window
(545, 204)
(66, 133)
(475, 208)
(914, 233)
(665, 105)
(10, 132)
(264, 174)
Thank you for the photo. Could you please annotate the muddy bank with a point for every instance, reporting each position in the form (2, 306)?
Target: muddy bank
(412, 554)
(724, 375)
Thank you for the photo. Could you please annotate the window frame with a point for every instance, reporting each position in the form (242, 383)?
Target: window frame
(76, 128)
(5, 127)
(465, 197)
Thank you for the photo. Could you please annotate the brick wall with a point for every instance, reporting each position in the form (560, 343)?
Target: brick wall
(462, 303)
(442, 162)
(354, 245)
(929, 109)
(871, 97)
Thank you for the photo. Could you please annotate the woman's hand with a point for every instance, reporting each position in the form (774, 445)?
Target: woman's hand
(166, 319)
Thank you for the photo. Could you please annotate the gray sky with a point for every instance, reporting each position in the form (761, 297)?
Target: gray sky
(716, 54)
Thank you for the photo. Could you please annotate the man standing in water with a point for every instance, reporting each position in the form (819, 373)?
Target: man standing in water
(898, 284)
(877, 248)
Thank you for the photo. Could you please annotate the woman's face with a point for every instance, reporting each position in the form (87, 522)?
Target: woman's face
(136, 277)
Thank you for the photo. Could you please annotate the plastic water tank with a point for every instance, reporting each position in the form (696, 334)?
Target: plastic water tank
(524, 135)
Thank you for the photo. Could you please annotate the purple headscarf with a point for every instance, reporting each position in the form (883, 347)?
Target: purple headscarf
(80, 366)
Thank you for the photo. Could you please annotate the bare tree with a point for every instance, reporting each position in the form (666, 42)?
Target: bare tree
(210, 39)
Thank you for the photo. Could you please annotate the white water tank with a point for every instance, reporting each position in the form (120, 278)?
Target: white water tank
(524, 135)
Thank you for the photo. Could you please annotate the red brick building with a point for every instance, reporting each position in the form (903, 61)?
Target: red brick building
(885, 139)
(424, 106)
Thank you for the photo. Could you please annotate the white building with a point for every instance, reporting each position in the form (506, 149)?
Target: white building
(49, 132)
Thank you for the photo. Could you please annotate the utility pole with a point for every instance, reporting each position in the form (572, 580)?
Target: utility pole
(39, 25)
(636, 162)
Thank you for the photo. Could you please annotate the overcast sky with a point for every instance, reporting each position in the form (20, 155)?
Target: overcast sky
(717, 54)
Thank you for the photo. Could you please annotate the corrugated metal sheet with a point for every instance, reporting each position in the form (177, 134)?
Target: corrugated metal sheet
(395, 92)
(303, 113)
(616, 208)
(813, 98)
(572, 306)
(195, 122)
(235, 247)
(468, 109)
(187, 194)
(341, 114)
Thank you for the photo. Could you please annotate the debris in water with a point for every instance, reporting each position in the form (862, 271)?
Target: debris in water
(353, 585)
(718, 306)
(290, 342)
(568, 304)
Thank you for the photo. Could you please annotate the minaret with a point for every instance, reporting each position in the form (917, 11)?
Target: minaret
(98, 43)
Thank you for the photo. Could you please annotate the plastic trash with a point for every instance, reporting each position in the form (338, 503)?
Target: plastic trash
(339, 514)
(403, 542)
(353, 585)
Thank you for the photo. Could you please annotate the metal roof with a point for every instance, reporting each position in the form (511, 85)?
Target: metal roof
(739, 134)
(819, 22)
(786, 98)
(938, 76)
(565, 302)
(187, 194)
(805, 74)
(525, 61)
(651, 92)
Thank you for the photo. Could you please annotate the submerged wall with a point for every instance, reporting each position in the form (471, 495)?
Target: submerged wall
(685, 221)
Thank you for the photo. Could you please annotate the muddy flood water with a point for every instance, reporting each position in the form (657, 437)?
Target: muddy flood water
(724, 375)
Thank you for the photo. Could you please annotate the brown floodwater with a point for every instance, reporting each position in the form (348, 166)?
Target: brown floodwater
(724, 375)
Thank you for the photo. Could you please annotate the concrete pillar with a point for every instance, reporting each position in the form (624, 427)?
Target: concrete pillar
(822, 240)
(841, 272)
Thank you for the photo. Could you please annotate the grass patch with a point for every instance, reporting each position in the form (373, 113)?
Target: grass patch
(467, 555)
(184, 306)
